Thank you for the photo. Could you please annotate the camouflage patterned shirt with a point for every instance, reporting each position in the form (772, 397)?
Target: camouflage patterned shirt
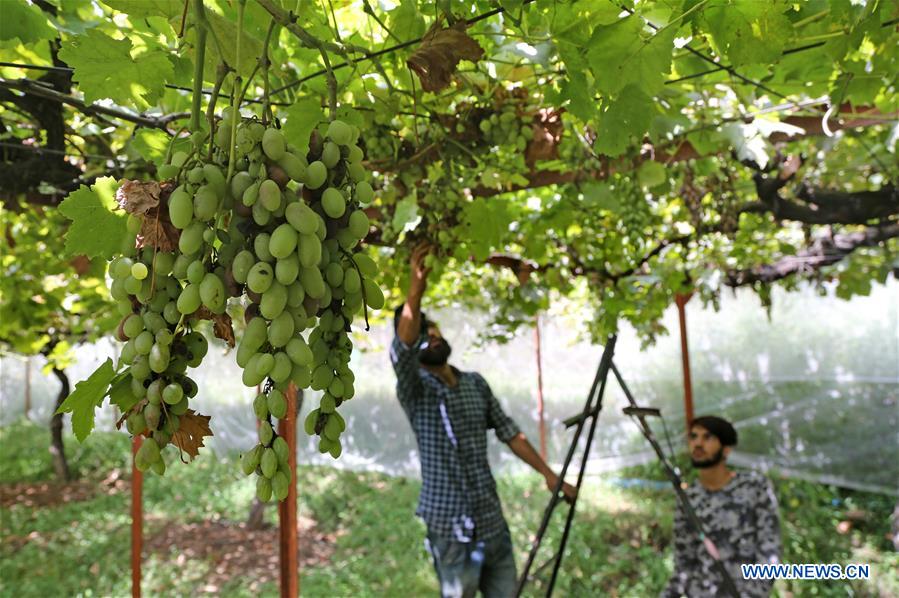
(741, 519)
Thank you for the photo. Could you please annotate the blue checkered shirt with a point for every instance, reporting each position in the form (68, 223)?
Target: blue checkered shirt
(458, 494)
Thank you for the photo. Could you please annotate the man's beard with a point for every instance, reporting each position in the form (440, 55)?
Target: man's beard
(436, 355)
(705, 464)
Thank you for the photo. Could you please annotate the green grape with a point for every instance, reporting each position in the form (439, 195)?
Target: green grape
(274, 300)
(280, 330)
(330, 154)
(363, 193)
(283, 241)
(191, 237)
(273, 144)
(260, 277)
(270, 195)
(358, 224)
(261, 246)
(181, 208)
(172, 394)
(286, 272)
(281, 369)
(301, 217)
(241, 264)
(294, 166)
(316, 174)
(196, 271)
(277, 404)
(333, 202)
(263, 489)
(280, 485)
(189, 301)
(339, 132)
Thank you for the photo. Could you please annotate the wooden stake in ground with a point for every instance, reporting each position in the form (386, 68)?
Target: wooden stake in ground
(137, 519)
(287, 509)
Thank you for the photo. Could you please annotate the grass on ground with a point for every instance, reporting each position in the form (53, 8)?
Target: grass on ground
(619, 545)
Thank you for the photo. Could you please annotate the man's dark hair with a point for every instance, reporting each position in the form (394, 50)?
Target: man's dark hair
(398, 313)
(718, 427)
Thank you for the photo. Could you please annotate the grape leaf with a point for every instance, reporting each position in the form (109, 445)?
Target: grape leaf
(620, 56)
(748, 32)
(192, 429)
(626, 117)
(436, 58)
(152, 145)
(120, 393)
(96, 230)
(104, 68)
(148, 8)
(86, 397)
(406, 216)
(487, 223)
(407, 19)
(651, 174)
(576, 89)
(302, 117)
(24, 21)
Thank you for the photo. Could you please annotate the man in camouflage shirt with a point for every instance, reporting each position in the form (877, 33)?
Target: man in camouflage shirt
(738, 511)
(450, 412)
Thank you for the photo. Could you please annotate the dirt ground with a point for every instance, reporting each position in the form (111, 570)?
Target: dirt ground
(232, 549)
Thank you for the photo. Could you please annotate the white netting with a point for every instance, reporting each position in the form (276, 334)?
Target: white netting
(814, 391)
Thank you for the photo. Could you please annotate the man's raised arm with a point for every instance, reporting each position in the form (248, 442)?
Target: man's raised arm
(409, 327)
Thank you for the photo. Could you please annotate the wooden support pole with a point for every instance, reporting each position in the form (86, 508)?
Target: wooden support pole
(541, 421)
(681, 301)
(137, 519)
(287, 509)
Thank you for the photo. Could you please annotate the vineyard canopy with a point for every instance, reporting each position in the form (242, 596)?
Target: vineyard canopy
(617, 152)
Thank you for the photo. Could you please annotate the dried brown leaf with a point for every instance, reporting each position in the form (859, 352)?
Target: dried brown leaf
(138, 197)
(436, 58)
(192, 429)
(221, 324)
(158, 232)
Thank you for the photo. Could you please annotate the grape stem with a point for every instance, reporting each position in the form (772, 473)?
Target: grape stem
(266, 100)
(349, 256)
(235, 100)
(221, 73)
(200, 17)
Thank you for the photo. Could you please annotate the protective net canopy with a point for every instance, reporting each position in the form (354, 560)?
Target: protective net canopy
(813, 389)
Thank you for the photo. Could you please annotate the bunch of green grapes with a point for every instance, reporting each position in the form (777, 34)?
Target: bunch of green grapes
(636, 213)
(293, 250)
(505, 128)
(157, 351)
(281, 232)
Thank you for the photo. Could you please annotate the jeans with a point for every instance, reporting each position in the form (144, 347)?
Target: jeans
(463, 568)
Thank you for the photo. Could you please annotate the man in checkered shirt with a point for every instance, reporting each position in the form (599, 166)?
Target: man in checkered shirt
(450, 412)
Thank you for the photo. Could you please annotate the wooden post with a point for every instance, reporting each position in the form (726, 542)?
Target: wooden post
(681, 301)
(137, 519)
(541, 422)
(287, 510)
